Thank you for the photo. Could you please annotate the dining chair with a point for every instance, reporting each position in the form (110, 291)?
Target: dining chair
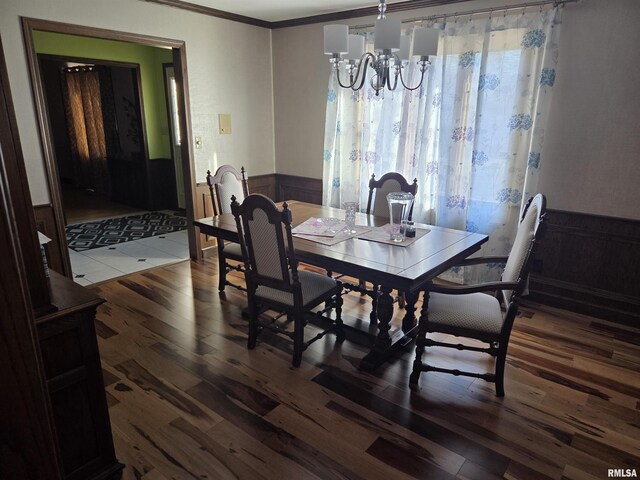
(468, 311)
(273, 279)
(377, 205)
(227, 182)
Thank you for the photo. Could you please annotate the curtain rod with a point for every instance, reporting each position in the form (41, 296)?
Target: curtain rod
(476, 11)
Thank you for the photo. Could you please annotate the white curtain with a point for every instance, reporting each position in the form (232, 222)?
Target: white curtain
(472, 134)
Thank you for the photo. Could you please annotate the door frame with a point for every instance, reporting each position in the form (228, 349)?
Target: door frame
(167, 97)
(180, 68)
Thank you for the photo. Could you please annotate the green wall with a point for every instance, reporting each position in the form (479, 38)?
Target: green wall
(150, 60)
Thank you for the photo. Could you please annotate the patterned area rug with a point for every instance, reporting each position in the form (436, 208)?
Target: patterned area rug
(103, 233)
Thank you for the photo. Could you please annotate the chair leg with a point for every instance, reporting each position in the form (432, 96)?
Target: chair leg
(222, 270)
(421, 342)
(298, 337)
(402, 300)
(500, 362)
(253, 324)
(337, 303)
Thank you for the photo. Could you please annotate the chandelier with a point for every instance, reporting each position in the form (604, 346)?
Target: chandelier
(392, 53)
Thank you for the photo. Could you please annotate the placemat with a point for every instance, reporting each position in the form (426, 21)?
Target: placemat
(341, 236)
(381, 235)
(323, 227)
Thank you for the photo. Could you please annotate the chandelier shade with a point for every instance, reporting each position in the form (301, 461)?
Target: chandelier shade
(392, 53)
(387, 35)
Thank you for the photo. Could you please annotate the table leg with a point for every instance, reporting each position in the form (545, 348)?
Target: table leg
(383, 341)
(409, 320)
(385, 313)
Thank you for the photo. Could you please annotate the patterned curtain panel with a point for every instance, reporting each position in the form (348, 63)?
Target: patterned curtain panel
(85, 124)
(472, 134)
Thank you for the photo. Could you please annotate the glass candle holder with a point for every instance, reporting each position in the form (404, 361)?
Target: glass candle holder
(350, 217)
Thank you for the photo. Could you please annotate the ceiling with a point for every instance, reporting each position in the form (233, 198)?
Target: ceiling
(278, 10)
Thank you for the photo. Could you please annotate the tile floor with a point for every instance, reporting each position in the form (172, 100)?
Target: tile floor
(99, 264)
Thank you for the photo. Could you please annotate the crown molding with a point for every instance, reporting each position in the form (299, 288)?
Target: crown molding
(362, 12)
(294, 22)
(213, 12)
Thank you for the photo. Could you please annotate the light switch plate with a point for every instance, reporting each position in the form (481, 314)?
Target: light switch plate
(198, 142)
(224, 122)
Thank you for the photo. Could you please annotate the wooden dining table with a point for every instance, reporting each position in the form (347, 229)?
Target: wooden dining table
(407, 269)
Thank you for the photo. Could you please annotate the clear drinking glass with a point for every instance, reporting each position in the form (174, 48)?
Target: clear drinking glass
(399, 208)
(350, 217)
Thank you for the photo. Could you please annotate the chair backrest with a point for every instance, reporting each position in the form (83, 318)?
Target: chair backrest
(529, 230)
(224, 184)
(266, 242)
(378, 190)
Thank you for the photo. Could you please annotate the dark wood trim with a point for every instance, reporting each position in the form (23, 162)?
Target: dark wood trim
(27, 445)
(294, 22)
(588, 264)
(264, 184)
(18, 190)
(186, 146)
(214, 12)
(93, 32)
(92, 61)
(179, 53)
(361, 12)
(291, 187)
(162, 183)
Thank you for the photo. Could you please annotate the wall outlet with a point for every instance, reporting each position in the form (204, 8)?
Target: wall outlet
(198, 142)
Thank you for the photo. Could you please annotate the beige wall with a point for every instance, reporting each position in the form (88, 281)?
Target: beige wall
(591, 160)
(229, 67)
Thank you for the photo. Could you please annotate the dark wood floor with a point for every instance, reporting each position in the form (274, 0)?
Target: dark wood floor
(82, 206)
(189, 401)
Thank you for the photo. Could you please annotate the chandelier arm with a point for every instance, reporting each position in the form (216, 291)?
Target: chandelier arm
(395, 80)
(417, 86)
(366, 59)
(340, 81)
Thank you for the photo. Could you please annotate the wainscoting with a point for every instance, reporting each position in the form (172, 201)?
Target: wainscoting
(590, 264)
(276, 186)
(290, 187)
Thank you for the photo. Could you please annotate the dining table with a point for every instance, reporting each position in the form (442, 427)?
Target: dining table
(404, 268)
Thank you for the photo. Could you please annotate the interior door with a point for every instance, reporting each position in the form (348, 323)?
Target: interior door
(174, 131)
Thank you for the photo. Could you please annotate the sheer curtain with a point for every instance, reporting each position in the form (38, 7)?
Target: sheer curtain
(472, 134)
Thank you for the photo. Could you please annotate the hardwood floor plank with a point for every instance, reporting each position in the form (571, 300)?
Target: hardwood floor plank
(188, 400)
(258, 455)
(408, 459)
(150, 384)
(441, 457)
(342, 384)
(356, 463)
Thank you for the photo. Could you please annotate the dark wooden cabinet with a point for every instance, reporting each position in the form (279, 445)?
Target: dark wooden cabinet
(73, 375)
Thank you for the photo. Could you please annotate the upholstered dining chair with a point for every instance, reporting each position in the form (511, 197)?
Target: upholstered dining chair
(227, 182)
(378, 190)
(467, 311)
(377, 205)
(273, 279)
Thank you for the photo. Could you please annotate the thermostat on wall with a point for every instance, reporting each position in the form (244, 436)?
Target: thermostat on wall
(224, 123)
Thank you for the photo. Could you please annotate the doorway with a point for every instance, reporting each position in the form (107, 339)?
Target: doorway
(154, 179)
(95, 111)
